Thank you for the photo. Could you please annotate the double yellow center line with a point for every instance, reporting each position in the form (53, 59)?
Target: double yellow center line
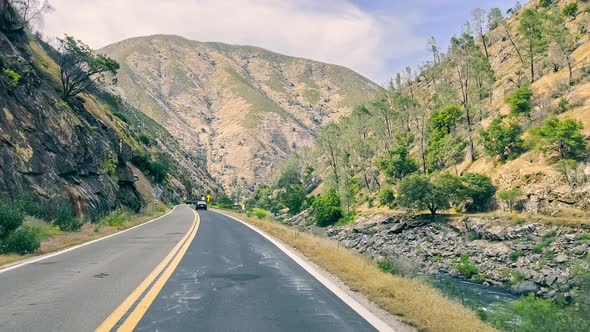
(168, 265)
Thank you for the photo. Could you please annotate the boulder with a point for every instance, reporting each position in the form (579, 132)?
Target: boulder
(524, 287)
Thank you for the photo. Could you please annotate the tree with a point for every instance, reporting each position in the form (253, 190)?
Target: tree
(327, 143)
(532, 36)
(510, 196)
(561, 37)
(397, 164)
(571, 9)
(562, 137)
(480, 189)
(494, 18)
(477, 24)
(81, 69)
(520, 100)
(545, 3)
(31, 11)
(292, 198)
(417, 192)
(326, 209)
(387, 197)
(445, 121)
(502, 139)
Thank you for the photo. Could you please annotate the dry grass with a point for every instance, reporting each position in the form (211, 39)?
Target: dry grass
(415, 302)
(88, 232)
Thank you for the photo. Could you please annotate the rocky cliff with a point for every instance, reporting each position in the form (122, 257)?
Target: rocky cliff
(245, 107)
(80, 152)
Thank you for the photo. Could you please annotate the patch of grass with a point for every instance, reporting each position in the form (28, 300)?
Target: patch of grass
(516, 276)
(584, 237)
(515, 255)
(471, 235)
(415, 302)
(517, 219)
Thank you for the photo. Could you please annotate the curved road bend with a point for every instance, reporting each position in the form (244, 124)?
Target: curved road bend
(230, 278)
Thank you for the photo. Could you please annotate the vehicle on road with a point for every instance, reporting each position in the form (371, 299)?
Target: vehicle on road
(201, 205)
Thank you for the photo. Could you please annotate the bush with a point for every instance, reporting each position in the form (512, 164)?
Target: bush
(502, 139)
(509, 196)
(22, 241)
(63, 216)
(520, 100)
(480, 189)
(28, 204)
(293, 198)
(531, 314)
(10, 220)
(571, 9)
(562, 137)
(12, 75)
(387, 196)
(115, 218)
(387, 266)
(326, 209)
(260, 213)
(419, 193)
(465, 266)
(397, 164)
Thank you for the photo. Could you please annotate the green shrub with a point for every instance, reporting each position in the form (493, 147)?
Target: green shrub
(502, 139)
(12, 75)
(520, 100)
(387, 266)
(293, 198)
(110, 166)
(115, 218)
(465, 266)
(28, 204)
(480, 189)
(24, 240)
(571, 9)
(386, 196)
(260, 213)
(562, 106)
(509, 196)
(584, 237)
(62, 215)
(326, 209)
(10, 220)
(532, 314)
(561, 136)
(472, 235)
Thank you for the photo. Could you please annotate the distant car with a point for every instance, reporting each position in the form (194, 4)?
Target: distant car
(201, 205)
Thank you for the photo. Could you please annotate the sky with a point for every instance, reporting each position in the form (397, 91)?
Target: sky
(376, 38)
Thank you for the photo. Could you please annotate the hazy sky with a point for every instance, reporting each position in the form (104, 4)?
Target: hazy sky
(374, 37)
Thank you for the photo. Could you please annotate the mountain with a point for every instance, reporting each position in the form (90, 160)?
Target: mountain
(93, 153)
(246, 108)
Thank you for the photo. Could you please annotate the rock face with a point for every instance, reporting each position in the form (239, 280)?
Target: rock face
(245, 107)
(75, 153)
(526, 258)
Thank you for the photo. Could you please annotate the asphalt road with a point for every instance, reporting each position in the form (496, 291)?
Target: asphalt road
(230, 278)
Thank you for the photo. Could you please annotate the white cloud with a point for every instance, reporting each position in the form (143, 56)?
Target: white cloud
(333, 31)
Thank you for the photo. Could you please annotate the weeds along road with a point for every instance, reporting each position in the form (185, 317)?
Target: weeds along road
(182, 272)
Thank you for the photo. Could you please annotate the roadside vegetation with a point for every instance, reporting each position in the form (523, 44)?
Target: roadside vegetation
(28, 227)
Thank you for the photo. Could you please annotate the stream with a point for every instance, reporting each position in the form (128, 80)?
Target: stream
(470, 294)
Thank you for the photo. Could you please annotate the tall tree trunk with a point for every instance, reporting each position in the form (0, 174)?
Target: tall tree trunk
(483, 41)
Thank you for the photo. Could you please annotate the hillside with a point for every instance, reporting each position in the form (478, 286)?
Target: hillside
(244, 107)
(92, 154)
(437, 113)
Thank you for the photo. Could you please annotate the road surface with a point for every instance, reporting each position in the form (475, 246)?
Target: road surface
(178, 273)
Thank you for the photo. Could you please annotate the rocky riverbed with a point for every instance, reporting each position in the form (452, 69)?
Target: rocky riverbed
(520, 257)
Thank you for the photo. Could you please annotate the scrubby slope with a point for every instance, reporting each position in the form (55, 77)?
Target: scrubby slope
(245, 107)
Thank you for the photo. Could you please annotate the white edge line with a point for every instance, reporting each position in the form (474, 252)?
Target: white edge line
(377, 322)
(63, 251)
